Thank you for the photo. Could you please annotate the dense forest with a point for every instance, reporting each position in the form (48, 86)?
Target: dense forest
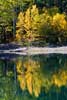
(30, 20)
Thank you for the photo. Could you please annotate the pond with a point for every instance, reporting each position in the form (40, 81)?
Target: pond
(33, 77)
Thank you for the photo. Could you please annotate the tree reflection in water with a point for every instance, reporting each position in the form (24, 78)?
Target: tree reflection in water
(36, 75)
(7, 82)
(40, 77)
(29, 76)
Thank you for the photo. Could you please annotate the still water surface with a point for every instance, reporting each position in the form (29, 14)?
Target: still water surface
(39, 77)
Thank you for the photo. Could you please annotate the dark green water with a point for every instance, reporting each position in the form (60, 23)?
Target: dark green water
(40, 77)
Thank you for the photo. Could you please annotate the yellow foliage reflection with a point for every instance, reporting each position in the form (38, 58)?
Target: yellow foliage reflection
(31, 77)
(60, 79)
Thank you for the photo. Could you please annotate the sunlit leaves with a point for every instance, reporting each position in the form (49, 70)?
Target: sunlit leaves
(20, 26)
(59, 21)
(26, 23)
(32, 23)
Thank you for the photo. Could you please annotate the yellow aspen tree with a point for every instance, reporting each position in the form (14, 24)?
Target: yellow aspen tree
(20, 26)
(28, 22)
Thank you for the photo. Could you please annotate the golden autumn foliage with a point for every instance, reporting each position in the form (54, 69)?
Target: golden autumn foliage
(20, 26)
(59, 22)
(32, 23)
(24, 23)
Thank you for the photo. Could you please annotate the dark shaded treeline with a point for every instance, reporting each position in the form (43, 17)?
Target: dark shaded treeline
(62, 4)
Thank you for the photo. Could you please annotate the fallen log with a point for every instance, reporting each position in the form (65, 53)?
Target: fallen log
(36, 50)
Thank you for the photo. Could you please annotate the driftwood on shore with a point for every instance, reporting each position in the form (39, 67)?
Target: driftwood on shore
(36, 50)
